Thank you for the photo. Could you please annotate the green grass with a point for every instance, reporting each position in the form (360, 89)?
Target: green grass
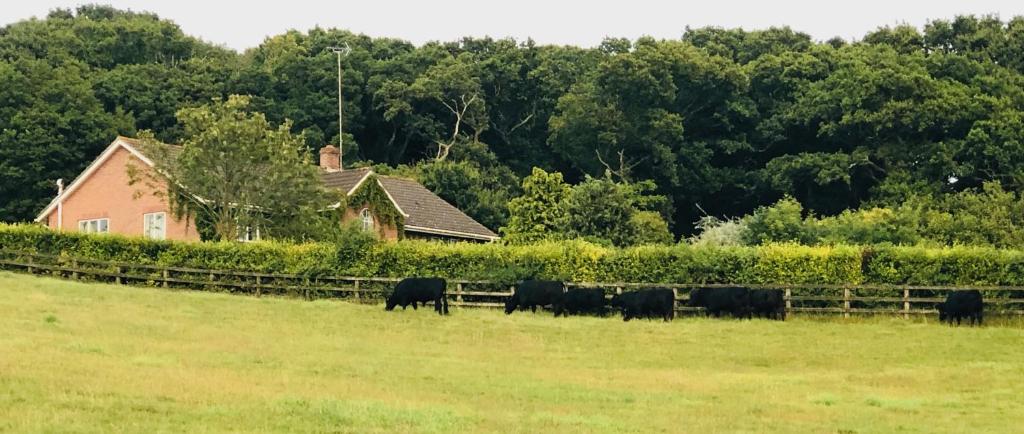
(100, 358)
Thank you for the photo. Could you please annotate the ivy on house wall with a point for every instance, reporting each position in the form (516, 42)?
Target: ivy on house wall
(371, 194)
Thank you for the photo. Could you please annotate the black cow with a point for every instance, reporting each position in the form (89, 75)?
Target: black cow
(532, 293)
(581, 301)
(649, 303)
(961, 304)
(768, 302)
(731, 299)
(419, 289)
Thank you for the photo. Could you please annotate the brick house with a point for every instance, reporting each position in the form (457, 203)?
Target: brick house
(100, 200)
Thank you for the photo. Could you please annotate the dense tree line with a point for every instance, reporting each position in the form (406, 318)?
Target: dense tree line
(719, 122)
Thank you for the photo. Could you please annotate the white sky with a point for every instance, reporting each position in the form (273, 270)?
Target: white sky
(241, 25)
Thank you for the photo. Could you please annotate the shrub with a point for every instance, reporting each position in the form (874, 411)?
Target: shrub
(717, 232)
(781, 222)
(574, 260)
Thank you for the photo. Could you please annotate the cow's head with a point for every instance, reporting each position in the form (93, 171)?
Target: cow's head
(510, 304)
(390, 303)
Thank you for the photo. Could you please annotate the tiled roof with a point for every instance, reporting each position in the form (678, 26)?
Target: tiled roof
(429, 213)
(344, 180)
(153, 149)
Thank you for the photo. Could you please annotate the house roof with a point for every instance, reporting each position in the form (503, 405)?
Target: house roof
(345, 180)
(428, 213)
(424, 211)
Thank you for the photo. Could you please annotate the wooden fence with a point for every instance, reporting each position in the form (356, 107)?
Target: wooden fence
(905, 300)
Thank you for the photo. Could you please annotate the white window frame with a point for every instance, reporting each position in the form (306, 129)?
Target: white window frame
(94, 226)
(247, 234)
(366, 218)
(147, 231)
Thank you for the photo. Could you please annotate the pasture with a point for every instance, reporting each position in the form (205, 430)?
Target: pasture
(98, 358)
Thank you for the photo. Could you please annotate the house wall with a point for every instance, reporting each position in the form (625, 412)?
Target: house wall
(106, 194)
(385, 231)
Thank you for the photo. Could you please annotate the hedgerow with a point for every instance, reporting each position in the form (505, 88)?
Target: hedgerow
(569, 260)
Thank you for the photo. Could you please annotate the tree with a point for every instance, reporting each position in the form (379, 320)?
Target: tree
(236, 172)
(453, 84)
(780, 222)
(51, 126)
(600, 208)
(538, 214)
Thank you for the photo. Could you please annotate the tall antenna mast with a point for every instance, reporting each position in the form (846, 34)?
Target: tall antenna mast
(341, 130)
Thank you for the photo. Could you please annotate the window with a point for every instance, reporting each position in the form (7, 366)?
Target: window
(367, 218)
(94, 226)
(247, 234)
(154, 225)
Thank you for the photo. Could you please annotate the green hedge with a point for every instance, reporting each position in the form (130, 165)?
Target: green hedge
(571, 260)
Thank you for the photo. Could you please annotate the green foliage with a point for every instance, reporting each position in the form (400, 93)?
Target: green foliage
(355, 253)
(371, 194)
(236, 171)
(649, 228)
(782, 222)
(538, 213)
(51, 126)
(599, 208)
(721, 122)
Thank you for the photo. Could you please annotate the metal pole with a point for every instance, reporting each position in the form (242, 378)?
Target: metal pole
(60, 204)
(341, 131)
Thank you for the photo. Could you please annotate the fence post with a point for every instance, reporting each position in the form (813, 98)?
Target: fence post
(675, 301)
(74, 269)
(29, 268)
(618, 290)
(167, 275)
(789, 300)
(846, 302)
(357, 290)
(259, 281)
(906, 303)
(117, 278)
(458, 292)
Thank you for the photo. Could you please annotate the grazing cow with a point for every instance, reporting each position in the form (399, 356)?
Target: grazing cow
(649, 303)
(532, 293)
(419, 289)
(731, 299)
(581, 301)
(768, 302)
(961, 304)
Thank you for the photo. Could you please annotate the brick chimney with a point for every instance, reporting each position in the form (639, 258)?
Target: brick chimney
(330, 158)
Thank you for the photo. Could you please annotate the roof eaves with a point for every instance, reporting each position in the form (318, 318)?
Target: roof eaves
(452, 233)
(359, 183)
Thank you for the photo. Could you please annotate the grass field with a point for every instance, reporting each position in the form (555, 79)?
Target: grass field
(90, 357)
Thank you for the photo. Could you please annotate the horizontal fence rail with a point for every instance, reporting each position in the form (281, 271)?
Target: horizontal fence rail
(905, 300)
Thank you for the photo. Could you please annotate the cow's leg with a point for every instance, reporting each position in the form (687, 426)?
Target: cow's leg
(533, 308)
(414, 305)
